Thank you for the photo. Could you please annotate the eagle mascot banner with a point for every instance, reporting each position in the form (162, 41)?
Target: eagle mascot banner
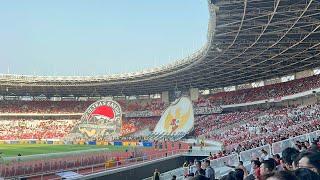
(178, 117)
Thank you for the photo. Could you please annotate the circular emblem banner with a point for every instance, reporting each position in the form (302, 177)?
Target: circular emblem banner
(101, 120)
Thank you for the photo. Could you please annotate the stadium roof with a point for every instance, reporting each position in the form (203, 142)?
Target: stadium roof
(248, 41)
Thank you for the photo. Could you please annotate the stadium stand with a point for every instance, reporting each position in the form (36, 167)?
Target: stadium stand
(262, 93)
(59, 107)
(35, 129)
(44, 106)
(257, 128)
(157, 106)
(248, 42)
(132, 125)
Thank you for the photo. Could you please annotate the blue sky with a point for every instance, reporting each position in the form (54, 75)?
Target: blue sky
(94, 37)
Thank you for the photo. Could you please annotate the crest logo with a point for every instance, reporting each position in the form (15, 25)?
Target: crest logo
(177, 118)
(101, 120)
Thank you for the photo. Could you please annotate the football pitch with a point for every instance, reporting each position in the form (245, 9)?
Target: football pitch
(11, 150)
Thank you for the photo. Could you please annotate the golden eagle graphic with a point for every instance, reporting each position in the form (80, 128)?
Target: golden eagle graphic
(177, 121)
(89, 133)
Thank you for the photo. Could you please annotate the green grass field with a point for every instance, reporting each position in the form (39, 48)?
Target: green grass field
(10, 150)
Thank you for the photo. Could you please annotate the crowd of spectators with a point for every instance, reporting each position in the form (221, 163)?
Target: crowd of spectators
(256, 128)
(133, 125)
(300, 162)
(19, 129)
(35, 129)
(294, 163)
(36, 107)
(273, 91)
(62, 107)
(203, 102)
(208, 124)
(144, 105)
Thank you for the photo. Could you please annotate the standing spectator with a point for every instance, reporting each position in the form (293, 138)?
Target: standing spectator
(240, 166)
(185, 168)
(255, 170)
(267, 167)
(277, 158)
(199, 170)
(282, 175)
(310, 160)
(156, 175)
(190, 148)
(288, 157)
(306, 174)
(237, 174)
(201, 145)
(209, 171)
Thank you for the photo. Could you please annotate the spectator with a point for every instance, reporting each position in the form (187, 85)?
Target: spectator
(199, 177)
(255, 170)
(237, 174)
(310, 160)
(156, 175)
(281, 175)
(185, 164)
(265, 155)
(209, 171)
(277, 159)
(240, 166)
(288, 157)
(267, 167)
(199, 170)
(306, 174)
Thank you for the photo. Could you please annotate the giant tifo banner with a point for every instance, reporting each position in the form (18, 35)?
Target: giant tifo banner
(178, 117)
(102, 120)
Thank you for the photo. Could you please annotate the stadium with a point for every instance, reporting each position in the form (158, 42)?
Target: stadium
(245, 106)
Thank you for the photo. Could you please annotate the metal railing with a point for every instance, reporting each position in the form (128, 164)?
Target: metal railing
(50, 169)
(246, 156)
